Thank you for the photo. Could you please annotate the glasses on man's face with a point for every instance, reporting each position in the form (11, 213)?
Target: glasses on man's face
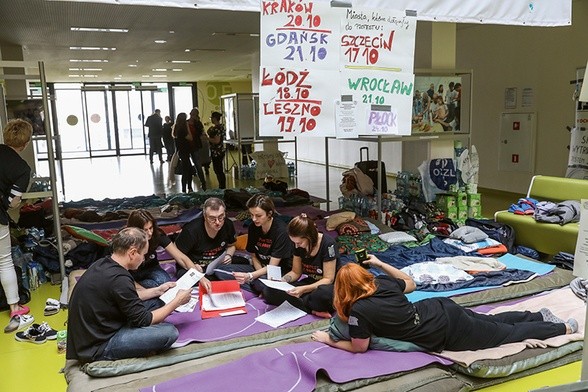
(214, 219)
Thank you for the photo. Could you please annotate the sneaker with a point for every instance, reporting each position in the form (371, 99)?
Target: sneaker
(49, 332)
(52, 306)
(31, 335)
(19, 322)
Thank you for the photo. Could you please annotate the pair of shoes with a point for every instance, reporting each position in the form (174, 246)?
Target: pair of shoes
(19, 322)
(23, 310)
(52, 306)
(34, 334)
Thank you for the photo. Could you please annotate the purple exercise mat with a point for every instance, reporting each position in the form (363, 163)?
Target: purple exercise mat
(193, 329)
(294, 368)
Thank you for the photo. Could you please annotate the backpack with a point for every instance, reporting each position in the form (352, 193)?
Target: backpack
(500, 232)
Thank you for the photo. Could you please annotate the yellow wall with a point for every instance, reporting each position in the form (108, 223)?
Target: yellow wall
(209, 94)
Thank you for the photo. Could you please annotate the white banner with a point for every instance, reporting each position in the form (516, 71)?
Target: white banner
(297, 102)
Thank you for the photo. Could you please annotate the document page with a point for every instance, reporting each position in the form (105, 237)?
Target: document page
(221, 301)
(274, 272)
(189, 279)
(281, 315)
(215, 263)
(284, 286)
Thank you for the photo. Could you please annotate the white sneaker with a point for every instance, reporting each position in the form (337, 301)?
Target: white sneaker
(46, 330)
(19, 322)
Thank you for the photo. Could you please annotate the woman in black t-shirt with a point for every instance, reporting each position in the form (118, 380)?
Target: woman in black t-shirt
(316, 257)
(267, 243)
(150, 274)
(377, 306)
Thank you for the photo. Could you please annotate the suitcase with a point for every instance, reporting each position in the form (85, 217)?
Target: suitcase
(371, 169)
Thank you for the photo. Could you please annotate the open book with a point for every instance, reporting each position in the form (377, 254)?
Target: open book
(189, 279)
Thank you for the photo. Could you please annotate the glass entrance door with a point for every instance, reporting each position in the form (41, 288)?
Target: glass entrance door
(101, 136)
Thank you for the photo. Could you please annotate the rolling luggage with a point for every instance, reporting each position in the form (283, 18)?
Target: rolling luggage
(371, 169)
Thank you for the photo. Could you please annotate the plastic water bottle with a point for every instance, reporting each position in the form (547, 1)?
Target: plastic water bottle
(61, 341)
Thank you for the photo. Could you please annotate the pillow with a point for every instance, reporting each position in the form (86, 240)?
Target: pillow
(340, 217)
(241, 243)
(353, 227)
(83, 234)
(397, 237)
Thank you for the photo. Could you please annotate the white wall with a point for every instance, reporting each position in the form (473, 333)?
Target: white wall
(544, 59)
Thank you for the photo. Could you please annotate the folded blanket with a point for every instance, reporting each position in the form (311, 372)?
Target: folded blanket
(562, 302)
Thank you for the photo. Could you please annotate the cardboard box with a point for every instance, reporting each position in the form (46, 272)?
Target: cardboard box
(451, 213)
(474, 199)
(446, 201)
(461, 199)
(462, 215)
(474, 212)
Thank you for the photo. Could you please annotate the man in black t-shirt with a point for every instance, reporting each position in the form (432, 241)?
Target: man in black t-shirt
(107, 318)
(208, 236)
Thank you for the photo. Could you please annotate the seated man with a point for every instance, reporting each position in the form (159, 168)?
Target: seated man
(208, 236)
(107, 318)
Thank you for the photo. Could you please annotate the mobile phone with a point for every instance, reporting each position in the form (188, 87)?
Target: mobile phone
(361, 255)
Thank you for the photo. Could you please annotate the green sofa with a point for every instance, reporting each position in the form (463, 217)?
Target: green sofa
(548, 238)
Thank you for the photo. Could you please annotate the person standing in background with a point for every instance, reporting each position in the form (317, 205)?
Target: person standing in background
(154, 123)
(196, 129)
(216, 137)
(15, 174)
(168, 139)
(184, 146)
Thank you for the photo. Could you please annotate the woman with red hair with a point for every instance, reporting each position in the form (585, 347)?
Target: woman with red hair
(377, 306)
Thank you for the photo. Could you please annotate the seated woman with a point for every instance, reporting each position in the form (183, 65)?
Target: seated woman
(150, 274)
(316, 256)
(267, 242)
(377, 306)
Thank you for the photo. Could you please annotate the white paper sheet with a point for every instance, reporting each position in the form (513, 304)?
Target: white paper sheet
(215, 263)
(188, 307)
(284, 286)
(189, 279)
(274, 272)
(220, 301)
(281, 315)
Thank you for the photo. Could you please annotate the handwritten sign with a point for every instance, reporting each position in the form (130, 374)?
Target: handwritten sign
(295, 33)
(378, 38)
(374, 90)
(270, 163)
(296, 102)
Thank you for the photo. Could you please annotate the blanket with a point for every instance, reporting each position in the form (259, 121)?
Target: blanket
(193, 329)
(562, 302)
(294, 368)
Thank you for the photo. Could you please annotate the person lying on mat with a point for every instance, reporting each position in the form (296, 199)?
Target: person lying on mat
(150, 274)
(208, 236)
(108, 318)
(316, 256)
(267, 242)
(377, 306)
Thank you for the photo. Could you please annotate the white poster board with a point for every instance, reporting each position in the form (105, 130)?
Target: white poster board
(331, 71)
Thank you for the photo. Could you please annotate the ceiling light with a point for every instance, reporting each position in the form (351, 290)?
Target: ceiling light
(73, 76)
(172, 32)
(90, 76)
(177, 69)
(117, 78)
(159, 69)
(85, 69)
(179, 61)
(133, 65)
(159, 76)
(99, 29)
(145, 76)
(160, 41)
(204, 50)
(89, 48)
(87, 61)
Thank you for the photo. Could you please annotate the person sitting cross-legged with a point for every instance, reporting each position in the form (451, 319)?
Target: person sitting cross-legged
(107, 316)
